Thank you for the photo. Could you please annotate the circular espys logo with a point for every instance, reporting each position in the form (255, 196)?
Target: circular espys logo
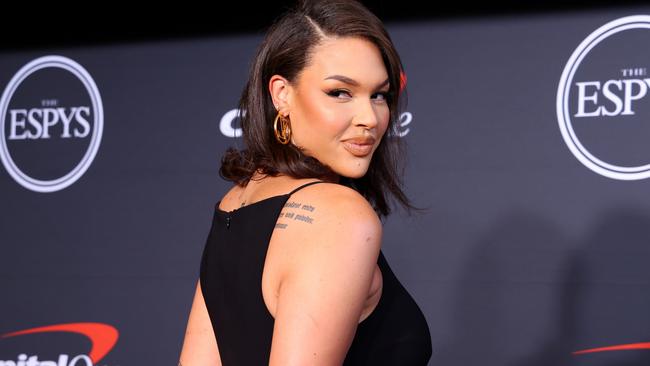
(51, 122)
(600, 108)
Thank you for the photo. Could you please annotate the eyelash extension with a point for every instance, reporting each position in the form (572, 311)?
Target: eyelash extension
(334, 93)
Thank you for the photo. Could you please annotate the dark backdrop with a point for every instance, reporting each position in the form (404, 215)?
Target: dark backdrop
(524, 256)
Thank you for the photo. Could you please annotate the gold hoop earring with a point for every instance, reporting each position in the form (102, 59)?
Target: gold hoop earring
(284, 134)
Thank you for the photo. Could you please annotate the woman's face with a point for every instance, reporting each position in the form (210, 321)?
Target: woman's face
(338, 105)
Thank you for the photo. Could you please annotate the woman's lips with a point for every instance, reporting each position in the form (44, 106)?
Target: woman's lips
(358, 149)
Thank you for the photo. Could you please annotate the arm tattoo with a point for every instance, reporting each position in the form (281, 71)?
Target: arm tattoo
(292, 204)
(299, 212)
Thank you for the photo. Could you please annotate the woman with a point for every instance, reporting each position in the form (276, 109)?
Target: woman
(292, 272)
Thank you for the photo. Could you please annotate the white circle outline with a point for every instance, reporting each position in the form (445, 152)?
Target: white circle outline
(98, 126)
(562, 105)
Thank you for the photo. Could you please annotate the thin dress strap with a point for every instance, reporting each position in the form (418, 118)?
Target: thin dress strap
(303, 186)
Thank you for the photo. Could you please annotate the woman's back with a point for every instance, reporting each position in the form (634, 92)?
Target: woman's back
(249, 254)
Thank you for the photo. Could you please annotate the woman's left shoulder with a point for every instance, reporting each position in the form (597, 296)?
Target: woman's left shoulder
(333, 204)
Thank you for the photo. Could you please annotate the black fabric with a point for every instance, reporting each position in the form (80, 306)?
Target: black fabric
(395, 333)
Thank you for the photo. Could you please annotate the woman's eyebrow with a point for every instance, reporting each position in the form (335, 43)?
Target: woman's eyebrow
(353, 82)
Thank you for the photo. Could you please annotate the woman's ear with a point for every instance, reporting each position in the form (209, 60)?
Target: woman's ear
(279, 88)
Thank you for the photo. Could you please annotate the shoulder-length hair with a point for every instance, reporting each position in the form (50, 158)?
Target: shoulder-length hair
(286, 51)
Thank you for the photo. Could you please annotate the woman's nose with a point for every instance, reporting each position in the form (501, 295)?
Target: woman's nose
(366, 115)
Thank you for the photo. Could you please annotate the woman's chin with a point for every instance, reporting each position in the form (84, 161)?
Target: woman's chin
(353, 173)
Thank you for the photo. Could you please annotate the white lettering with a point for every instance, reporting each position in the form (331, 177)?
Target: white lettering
(607, 93)
(227, 121)
(33, 361)
(16, 122)
(50, 118)
(85, 358)
(632, 90)
(66, 119)
(404, 120)
(582, 97)
(35, 123)
(63, 361)
(629, 97)
(82, 121)
(40, 120)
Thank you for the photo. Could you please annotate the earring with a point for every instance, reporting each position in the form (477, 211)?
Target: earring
(283, 135)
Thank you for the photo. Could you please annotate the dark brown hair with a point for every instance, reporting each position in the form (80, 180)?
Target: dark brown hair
(286, 51)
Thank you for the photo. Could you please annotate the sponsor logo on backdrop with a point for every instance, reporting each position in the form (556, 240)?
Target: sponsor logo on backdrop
(618, 347)
(400, 127)
(230, 127)
(51, 123)
(229, 124)
(603, 104)
(102, 340)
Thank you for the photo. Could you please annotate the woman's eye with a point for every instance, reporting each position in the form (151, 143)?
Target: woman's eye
(341, 93)
(382, 96)
(338, 92)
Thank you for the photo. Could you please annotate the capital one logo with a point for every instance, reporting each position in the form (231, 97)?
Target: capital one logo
(51, 123)
(603, 104)
(102, 337)
(228, 125)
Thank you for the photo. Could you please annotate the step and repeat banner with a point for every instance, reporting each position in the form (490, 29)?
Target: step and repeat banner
(528, 146)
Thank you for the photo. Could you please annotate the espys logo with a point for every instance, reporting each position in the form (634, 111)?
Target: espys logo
(600, 104)
(102, 339)
(51, 122)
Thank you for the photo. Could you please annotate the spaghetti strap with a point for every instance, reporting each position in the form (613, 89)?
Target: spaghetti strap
(303, 186)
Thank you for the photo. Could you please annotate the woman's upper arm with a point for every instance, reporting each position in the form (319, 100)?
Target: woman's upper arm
(200, 344)
(327, 280)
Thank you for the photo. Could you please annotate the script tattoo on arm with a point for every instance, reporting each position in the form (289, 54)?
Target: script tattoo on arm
(295, 211)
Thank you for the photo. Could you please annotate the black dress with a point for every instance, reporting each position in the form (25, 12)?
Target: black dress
(395, 333)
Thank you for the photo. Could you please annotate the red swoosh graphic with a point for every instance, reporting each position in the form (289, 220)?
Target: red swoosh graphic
(402, 81)
(619, 347)
(102, 336)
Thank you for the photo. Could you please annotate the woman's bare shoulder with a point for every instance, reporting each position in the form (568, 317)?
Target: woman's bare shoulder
(325, 206)
(336, 198)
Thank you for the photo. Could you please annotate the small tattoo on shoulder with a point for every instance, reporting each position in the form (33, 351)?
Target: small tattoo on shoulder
(304, 218)
(297, 214)
(302, 206)
(309, 208)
